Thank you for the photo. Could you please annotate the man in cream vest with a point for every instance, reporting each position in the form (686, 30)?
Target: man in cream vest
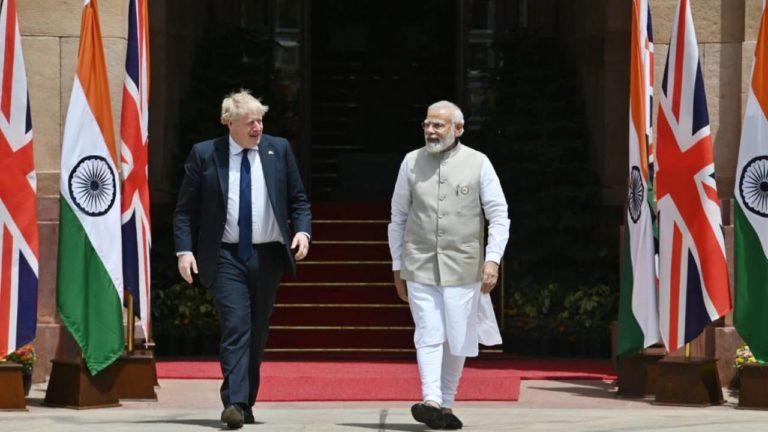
(444, 192)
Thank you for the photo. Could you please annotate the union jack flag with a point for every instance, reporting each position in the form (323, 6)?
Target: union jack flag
(693, 272)
(18, 196)
(137, 235)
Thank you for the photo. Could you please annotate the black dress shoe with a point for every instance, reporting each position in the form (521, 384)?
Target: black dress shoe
(248, 418)
(233, 416)
(452, 422)
(247, 414)
(429, 415)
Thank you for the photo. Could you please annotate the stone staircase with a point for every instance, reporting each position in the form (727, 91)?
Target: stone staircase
(343, 301)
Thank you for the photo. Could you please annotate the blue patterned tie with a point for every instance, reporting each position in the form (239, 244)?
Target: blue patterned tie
(244, 222)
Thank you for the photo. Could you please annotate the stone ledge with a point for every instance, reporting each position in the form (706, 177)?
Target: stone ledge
(715, 20)
(62, 17)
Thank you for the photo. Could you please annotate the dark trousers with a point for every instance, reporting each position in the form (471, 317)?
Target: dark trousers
(244, 294)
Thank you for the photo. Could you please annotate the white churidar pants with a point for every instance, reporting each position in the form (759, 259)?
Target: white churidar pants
(439, 371)
(450, 322)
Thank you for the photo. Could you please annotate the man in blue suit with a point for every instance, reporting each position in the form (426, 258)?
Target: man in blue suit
(231, 224)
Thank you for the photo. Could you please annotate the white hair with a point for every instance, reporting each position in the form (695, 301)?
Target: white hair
(456, 115)
(240, 103)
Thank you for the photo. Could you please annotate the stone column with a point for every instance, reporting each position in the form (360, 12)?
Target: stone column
(50, 32)
(176, 27)
(597, 35)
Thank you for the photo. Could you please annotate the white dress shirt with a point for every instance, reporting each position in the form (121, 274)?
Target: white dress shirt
(265, 228)
(491, 198)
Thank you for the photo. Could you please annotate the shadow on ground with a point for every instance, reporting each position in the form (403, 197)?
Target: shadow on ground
(212, 423)
(586, 388)
(410, 427)
(35, 401)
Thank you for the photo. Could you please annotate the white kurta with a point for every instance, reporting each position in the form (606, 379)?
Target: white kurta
(459, 314)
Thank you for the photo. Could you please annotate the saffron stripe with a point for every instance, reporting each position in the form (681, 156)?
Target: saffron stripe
(760, 71)
(637, 88)
(92, 73)
(140, 41)
(144, 14)
(679, 57)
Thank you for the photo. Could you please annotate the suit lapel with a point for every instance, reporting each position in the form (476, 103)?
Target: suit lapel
(221, 158)
(267, 157)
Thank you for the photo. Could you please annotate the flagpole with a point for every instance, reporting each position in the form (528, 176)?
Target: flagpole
(131, 323)
(688, 351)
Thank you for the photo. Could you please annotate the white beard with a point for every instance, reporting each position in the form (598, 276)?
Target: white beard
(437, 147)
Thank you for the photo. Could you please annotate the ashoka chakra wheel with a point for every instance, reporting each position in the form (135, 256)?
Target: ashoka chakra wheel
(92, 186)
(753, 186)
(636, 194)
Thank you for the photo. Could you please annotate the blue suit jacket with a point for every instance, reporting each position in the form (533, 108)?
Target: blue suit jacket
(201, 209)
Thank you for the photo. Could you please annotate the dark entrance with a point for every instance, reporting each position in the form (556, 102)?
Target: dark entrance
(375, 67)
(348, 82)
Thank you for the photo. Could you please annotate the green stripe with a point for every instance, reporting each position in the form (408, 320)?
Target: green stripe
(631, 339)
(85, 295)
(749, 316)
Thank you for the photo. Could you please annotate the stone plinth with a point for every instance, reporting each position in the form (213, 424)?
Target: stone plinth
(688, 381)
(754, 386)
(727, 339)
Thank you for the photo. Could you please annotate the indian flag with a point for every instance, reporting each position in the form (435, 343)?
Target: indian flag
(89, 285)
(751, 211)
(638, 306)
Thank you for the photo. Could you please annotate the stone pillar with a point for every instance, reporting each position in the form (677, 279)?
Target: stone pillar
(616, 46)
(175, 28)
(597, 35)
(50, 32)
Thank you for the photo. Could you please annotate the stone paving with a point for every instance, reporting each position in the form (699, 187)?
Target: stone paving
(192, 405)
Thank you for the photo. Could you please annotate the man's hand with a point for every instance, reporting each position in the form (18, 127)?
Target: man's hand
(402, 291)
(301, 242)
(187, 265)
(490, 276)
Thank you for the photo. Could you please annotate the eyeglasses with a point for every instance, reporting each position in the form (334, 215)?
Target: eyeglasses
(426, 124)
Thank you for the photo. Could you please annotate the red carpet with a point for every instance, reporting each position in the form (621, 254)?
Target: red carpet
(482, 380)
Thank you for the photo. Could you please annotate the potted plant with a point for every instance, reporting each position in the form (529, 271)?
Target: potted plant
(742, 356)
(25, 356)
